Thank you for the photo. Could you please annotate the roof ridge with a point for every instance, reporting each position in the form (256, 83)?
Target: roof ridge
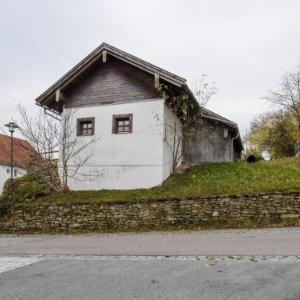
(119, 54)
(142, 60)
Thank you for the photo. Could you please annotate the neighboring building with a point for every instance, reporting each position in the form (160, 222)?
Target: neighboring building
(115, 97)
(22, 158)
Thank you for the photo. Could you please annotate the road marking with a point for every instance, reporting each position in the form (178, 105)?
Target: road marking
(8, 263)
(176, 257)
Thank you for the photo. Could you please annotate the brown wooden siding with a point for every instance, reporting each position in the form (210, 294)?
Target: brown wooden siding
(111, 82)
(208, 144)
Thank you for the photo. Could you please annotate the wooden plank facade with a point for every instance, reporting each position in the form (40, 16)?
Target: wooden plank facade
(111, 82)
(212, 142)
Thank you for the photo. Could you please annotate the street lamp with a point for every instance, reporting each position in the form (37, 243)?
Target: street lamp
(12, 126)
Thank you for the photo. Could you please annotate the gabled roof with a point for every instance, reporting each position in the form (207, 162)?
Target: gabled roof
(22, 151)
(105, 49)
(210, 114)
(117, 53)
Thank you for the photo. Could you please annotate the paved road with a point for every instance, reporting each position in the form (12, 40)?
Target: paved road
(143, 278)
(230, 264)
(226, 242)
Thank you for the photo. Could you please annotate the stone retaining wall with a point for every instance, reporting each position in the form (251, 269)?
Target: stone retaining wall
(278, 209)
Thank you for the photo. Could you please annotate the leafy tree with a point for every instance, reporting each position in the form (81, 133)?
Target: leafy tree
(274, 132)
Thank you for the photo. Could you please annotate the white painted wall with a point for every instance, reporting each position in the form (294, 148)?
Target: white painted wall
(123, 161)
(172, 129)
(5, 174)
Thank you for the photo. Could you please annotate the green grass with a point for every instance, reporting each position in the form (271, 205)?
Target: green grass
(205, 180)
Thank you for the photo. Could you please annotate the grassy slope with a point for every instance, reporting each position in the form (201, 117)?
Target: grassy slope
(213, 179)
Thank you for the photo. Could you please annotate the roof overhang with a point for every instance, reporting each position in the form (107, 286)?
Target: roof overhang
(101, 53)
(56, 90)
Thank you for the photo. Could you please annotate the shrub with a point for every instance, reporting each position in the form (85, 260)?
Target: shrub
(3, 207)
(30, 189)
(26, 187)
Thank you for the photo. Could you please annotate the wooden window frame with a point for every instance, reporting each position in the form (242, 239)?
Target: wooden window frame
(115, 120)
(81, 120)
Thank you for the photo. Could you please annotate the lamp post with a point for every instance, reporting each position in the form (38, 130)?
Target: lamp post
(12, 126)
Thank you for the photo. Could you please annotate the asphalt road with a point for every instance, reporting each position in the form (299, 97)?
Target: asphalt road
(230, 264)
(143, 278)
(218, 242)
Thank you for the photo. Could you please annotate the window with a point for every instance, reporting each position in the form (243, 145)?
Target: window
(122, 123)
(15, 172)
(85, 126)
(7, 171)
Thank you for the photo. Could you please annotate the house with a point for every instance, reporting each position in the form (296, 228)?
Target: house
(22, 154)
(115, 97)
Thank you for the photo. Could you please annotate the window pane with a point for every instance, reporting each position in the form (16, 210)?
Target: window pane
(86, 127)
(122, 124)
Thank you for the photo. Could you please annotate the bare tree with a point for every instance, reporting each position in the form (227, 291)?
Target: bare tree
(288, 96)
(41, 131)
(204, 90)
(50, 136)
(182, 108)
(73, 154)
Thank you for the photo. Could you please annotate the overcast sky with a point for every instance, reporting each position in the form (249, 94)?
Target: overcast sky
(243, 45)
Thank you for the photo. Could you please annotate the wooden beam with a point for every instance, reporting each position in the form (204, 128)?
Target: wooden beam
(156, 80)
(104, 56)
(59, 96)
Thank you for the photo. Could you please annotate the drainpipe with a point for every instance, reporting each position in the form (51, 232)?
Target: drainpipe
(232, 140)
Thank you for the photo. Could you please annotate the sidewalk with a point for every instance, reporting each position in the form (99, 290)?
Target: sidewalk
(218, 242)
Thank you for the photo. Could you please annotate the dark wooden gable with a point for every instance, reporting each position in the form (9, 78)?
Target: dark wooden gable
(111, 82)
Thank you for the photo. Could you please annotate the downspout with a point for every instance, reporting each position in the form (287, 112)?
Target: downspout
(232, 140)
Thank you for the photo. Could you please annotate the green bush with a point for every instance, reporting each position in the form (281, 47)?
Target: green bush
(30, 189)
(27, 187)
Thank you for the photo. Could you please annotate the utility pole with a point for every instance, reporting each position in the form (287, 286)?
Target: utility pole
(12, 126)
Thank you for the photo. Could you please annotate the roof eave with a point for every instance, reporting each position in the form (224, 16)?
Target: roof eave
(119, 54)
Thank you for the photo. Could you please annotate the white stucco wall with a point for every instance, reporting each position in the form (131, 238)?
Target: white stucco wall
(5, 174)
(172, 128)
(123, 161)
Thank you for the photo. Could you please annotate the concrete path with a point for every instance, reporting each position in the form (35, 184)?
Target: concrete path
(219, 242)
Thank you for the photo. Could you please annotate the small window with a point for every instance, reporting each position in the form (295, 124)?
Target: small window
(85, 126)
(15, 172)
(122, 123)
(7, 171)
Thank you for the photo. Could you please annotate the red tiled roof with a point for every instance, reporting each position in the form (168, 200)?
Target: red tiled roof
(22, 151)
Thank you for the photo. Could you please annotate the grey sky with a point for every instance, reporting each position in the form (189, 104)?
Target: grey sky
(244, 46)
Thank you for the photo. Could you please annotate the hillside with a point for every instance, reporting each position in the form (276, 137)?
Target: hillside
(205, 180)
